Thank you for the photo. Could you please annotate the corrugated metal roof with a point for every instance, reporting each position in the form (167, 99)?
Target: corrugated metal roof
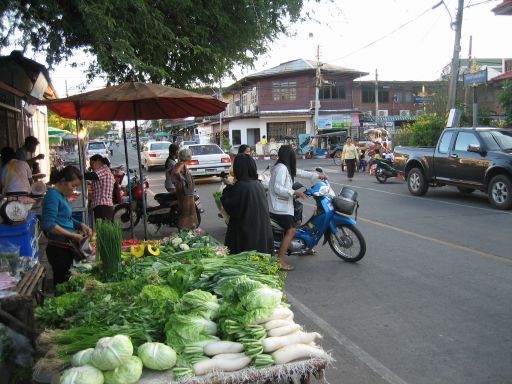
(300, 65)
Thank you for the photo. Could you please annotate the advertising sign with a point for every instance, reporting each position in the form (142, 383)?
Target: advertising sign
(341, 121)
(324, 123)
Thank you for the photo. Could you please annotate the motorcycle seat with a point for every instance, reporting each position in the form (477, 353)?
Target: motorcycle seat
(166, 196)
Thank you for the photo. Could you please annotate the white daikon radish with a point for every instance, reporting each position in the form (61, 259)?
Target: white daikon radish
(295, 352)
(226, 365)
(289, 318)
(271, 344)
(228, 356)
(218, 347)
(279, 313)
(283, 331)
(277, 323)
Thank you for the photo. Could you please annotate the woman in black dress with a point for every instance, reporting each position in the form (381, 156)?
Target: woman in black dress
(245, 202)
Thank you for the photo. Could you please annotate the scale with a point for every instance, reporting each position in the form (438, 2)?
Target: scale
(15, 209)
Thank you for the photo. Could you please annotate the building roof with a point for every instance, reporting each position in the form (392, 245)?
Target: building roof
(504, 8)
(502, 77)
(303, 65)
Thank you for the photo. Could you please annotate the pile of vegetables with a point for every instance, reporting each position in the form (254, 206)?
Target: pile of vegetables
(192, 311)
(108, 245)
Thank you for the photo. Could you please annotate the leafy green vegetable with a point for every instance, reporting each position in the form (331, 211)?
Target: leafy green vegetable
(111, 352)
(82, 358)
(127, 373)
(199, 303)
(157, 356)
(82, 375)
(108, 245)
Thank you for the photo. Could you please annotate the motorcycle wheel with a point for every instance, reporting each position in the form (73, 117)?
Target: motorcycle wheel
(337, 158)
(122, 216)
(380, 176)
(348, 243)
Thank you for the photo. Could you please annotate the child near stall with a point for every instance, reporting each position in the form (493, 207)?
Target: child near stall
(362, 161)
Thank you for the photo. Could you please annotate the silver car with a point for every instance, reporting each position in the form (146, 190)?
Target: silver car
(208, 160)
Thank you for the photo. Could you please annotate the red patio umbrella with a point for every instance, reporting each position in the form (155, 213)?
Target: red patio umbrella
(136, 101)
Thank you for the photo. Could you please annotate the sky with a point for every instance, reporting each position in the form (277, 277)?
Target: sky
(402, 39)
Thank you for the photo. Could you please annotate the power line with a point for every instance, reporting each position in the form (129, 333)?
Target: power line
(385, 36)
(480, 3)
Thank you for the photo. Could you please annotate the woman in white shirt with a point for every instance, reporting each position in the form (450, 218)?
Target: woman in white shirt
(350, 156)
(280, 196)
(16, 176)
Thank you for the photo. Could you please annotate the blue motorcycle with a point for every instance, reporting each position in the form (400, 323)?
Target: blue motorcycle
(331, 220)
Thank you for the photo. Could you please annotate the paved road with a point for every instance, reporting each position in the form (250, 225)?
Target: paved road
(430, 302)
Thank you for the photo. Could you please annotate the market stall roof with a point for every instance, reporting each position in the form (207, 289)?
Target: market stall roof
(161, 134)
(136, 101)
(52, 131)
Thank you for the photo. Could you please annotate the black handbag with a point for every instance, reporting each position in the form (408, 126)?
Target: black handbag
(80, 251)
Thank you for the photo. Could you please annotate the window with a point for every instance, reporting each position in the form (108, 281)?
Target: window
(280, 131)
(504, 138)
(369, 95)
(398, 98)
(96, 146)
(209, 149)
(464, 139)
(332, 92)
(286, 90)
(444, 143)
(407, 97)
(236, 136)
(159, 146)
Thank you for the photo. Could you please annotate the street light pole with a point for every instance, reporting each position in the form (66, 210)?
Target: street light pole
(452, 90)
(317, 90)
(376, 95)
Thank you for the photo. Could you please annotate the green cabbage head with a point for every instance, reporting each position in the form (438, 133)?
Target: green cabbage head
(111, 352)
(82, 357)
(127, 373)
(157, 356)
(82, 375)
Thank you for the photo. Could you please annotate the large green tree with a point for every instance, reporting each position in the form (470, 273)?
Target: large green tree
(176, 42)
(505, 98)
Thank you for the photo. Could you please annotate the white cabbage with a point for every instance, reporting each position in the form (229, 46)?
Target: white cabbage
(82, 357)
(111, 352)
(82, 375)
(127, 373)
(157, 356)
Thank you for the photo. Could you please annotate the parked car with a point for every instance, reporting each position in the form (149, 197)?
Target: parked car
(154, 154)
(208, 160)
(187, 143)
(96, 147)
(467, 158)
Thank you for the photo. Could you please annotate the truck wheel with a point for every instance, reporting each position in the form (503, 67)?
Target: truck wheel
(465, 191)
(416, 182)
(500, 192)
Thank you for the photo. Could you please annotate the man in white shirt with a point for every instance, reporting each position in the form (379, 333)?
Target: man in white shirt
(26, 152)
(16, 176)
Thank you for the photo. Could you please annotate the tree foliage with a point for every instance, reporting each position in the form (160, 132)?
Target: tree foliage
(175, 42)
(423, 132)
(505, 98)
(57, 121)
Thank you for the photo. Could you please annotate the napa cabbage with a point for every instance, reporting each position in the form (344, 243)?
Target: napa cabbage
(127, 373)
(82, 375)
(111, 352)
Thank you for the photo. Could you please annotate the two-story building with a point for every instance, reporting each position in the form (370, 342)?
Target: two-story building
(279, 102)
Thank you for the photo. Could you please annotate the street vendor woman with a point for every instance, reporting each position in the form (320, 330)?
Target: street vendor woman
(16, 175)
(102, 187)
(59, 225)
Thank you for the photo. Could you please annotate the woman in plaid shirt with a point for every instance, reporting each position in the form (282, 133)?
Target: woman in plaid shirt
(102, 187)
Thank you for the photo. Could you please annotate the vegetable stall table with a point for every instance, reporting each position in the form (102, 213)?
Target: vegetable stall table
(18, 309)
(297, 372)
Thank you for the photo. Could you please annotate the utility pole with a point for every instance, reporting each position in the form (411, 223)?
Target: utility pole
(466, 88)
(221, 144)
(376, 95)
(452, 90)
(317, 90)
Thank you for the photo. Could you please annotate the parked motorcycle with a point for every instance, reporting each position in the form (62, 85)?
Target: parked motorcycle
(384, 169)
(331, 221)
(165, 213)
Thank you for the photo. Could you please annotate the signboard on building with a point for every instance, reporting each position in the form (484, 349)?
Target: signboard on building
(324, 123)
(475, 78)
(422, 99)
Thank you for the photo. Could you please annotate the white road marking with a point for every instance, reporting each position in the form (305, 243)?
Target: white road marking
(376, 366)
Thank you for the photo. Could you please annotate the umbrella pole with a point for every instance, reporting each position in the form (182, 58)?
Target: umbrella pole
(144, 217)
(129, 181)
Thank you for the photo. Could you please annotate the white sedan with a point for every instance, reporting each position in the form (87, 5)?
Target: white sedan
(154, 154)
(208, 160)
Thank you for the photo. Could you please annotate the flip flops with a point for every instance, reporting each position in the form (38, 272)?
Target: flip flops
(286, 268)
